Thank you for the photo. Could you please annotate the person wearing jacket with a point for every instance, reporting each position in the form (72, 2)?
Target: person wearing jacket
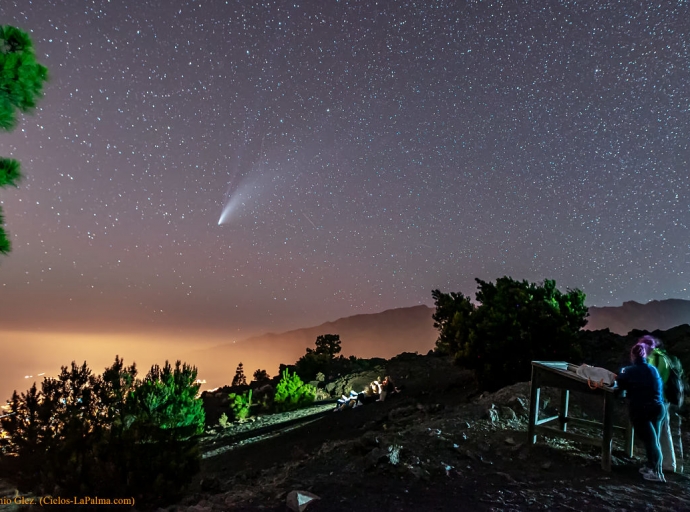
(645, 406)
(657, 358)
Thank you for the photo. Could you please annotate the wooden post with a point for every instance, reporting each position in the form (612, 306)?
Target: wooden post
(533, 407)
(606, 442)
(630, 440)
(563, 412)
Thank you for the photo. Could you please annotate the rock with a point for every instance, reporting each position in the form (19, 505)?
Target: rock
(199, 508)
(394, 453)
(210, 485)
(492, 414)
(298, 501)
(374, 457)
(506, 476)
(419, 473)
(508, 414)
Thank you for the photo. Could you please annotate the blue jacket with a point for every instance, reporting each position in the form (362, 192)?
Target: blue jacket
(643, 384)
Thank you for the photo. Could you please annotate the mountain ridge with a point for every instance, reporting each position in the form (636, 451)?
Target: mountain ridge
(654, 315)
(368, 335)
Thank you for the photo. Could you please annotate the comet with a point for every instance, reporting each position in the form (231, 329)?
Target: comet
(236, 201)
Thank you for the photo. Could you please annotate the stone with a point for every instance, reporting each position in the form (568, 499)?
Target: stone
(298, 501)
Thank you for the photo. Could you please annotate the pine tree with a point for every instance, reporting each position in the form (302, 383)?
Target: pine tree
(261, 376)
(21, 85)
(292, 393)
(239, 379)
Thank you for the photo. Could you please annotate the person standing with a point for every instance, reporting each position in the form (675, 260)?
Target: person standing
(670, 426)
(645, 406)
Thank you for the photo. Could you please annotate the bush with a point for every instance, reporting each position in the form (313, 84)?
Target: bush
(240, 404)
(292, 393)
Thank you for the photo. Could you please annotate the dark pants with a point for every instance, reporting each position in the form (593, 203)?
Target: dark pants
(647, 422)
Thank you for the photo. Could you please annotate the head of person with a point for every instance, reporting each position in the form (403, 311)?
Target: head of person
(639, 352)
(650, 342)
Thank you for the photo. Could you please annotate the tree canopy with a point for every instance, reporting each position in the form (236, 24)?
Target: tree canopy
(326, 344)
(515, 323)
(320, 359)
(21, 86)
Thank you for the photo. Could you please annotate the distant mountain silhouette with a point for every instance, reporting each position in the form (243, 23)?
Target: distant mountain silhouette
(657, 314)
(384, 334)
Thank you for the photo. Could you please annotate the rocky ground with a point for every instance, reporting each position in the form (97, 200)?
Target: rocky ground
(437, 445)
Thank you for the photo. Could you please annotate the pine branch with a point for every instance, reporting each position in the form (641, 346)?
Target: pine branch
(10, 173)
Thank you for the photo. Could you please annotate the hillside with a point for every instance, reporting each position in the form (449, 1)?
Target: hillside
(382, 334)
(657, 314)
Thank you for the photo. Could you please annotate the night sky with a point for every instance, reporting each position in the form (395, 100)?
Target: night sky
(242, 167)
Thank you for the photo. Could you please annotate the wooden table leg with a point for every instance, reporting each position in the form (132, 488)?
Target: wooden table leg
(533, 408)
(606, 442)
(630, 440)
(563, 412)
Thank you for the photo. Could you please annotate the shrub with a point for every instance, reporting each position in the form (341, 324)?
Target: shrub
(240, 404)
(223, 420)
(292, 393)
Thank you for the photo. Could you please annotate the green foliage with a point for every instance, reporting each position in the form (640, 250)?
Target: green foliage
(21, 85)
(110, 434)
(239, 379)
(240, 405)
(292, 393)
(21, 76)
(319, 359)
(452, 319)
(9, 172)
(515, 323)
(223, 420)
(167, 400)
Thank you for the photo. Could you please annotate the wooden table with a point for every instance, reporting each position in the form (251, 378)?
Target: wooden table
(559, 374)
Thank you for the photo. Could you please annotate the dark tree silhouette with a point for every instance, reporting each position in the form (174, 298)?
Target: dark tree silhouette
(261, 376)
(326, 344)
(239, 379)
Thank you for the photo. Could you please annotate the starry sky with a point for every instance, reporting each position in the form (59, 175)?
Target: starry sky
(238, 167)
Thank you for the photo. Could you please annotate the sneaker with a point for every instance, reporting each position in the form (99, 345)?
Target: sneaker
(654, 477)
